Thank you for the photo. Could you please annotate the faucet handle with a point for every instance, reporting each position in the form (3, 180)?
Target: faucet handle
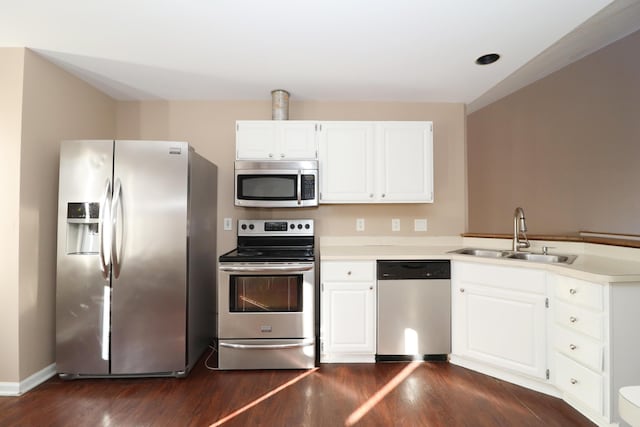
(545, 249)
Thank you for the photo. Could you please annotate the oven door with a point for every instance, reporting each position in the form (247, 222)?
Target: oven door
(266, 300)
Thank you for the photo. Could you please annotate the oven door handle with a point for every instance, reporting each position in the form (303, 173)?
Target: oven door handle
(266, 346)
(274, 269)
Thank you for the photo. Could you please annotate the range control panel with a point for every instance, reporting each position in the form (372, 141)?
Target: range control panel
(275, 227)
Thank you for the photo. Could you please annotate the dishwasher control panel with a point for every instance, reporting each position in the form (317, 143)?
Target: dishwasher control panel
(410, 269)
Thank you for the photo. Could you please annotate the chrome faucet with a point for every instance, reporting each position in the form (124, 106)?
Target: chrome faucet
(519, 226)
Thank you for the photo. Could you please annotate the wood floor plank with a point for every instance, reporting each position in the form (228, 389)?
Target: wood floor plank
(433, 394)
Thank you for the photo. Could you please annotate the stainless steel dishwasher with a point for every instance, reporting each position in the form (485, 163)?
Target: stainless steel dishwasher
(414, 310)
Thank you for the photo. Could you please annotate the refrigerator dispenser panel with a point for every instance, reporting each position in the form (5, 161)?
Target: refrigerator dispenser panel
(83, 236)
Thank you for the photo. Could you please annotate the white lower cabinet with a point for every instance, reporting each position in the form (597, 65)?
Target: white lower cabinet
(580, 317)
(499, 317)
(568, 337)
(348, 311)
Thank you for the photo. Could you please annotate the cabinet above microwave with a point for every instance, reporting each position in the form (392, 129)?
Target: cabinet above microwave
(276, 140)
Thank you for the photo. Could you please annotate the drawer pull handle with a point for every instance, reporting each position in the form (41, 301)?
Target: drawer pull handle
(348, 273)
(573, 319)
(573, 381)
(371, 288)
(572, 291)
(462, 290)
(572, 346)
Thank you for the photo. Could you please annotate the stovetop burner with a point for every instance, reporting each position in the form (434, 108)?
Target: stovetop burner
(273, 241)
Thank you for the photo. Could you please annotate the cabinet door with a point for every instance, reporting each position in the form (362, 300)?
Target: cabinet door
(348, 317)
(256, 140)
(405, 162)
(276, 140)
(297, 140)
(346, 162)
(501, 327)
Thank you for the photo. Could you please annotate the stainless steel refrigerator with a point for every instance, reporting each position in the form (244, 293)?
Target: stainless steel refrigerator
(136, 258)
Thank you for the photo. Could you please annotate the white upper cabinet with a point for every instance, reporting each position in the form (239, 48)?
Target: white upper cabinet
(405, 161)
(376, 162)
(347, 162)
(276, 140)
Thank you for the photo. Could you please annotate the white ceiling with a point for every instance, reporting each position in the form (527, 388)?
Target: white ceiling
(330, 50)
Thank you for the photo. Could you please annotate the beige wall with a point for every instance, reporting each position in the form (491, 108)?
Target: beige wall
(210, 127)
(11, 72)
(565, 148)
(55, 106)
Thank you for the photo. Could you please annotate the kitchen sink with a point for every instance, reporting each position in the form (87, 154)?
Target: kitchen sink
(488, 253)
(526, 256)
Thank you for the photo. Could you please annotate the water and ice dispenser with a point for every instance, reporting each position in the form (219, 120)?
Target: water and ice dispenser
(83, 236)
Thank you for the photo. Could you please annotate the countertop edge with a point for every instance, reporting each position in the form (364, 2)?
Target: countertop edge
(563, 238)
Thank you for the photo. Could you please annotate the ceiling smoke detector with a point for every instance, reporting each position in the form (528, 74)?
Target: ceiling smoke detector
(487, 59)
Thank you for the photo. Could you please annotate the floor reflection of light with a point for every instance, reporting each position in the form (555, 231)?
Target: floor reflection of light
(410, 341)
(380, 394)
(263, 398)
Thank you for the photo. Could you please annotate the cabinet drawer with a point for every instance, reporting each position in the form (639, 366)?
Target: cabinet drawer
(580, 292)
(579, 348)
(579, 382)
(347, 270)
(579, 320)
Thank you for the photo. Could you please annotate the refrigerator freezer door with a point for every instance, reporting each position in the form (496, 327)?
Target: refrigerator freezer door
(82, 320)
(149, 283)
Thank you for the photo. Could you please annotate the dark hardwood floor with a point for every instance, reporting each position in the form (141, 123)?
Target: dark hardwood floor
(402, 394)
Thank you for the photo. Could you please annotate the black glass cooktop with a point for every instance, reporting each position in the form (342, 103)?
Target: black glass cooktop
(268, 254)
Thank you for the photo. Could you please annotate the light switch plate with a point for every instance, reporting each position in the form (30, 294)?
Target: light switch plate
(228, 224)
(420, 224)
(395, 224)
(360, 224)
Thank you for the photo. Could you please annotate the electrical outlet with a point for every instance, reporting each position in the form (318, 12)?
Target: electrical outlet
(420, 224)
(360, 224)
(228, 224)
(395, 224)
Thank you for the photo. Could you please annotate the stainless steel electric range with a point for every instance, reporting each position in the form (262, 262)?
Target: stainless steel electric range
(266, 297)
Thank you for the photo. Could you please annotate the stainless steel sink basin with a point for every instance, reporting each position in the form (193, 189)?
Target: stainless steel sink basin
(489, 253)
(526, 256)
(565, 259)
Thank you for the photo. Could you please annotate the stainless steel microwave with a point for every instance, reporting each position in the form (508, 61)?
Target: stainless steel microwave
(276, 183)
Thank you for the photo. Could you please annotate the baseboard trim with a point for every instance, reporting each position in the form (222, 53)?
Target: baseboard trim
(16, 389)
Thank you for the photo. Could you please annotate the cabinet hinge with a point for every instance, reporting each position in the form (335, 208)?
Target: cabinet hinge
(546, 302)
(237, 127)
(322, 287)
(321, 346)
(548, 374)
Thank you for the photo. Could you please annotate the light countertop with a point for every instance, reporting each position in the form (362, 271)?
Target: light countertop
(593, 263)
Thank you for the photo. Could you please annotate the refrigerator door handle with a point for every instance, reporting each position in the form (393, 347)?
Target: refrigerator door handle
(116, 208)
(105, 211)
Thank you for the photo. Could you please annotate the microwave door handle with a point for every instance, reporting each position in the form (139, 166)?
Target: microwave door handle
(299, 187)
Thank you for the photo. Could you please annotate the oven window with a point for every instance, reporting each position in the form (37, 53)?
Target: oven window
(265, 294)
(267, 187)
